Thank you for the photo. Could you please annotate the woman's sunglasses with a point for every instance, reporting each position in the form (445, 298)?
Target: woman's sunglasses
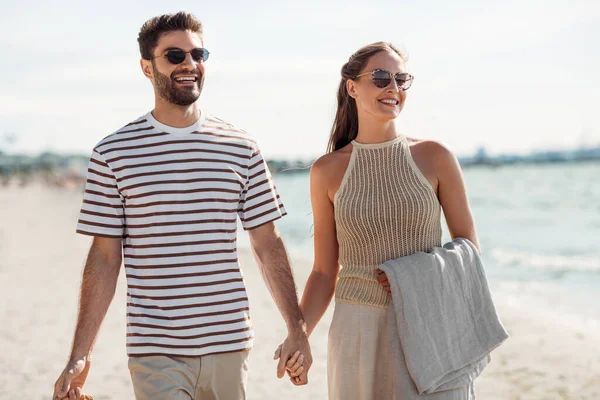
(177, 56)
(382, 78)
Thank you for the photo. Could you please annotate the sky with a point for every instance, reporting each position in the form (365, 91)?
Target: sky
(512, 76)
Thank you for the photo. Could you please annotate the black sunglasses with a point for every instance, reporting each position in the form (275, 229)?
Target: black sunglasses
(382, 78)
(177, 56)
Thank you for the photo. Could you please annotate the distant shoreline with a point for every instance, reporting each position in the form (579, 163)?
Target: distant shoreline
(282, 167)
(75, 165)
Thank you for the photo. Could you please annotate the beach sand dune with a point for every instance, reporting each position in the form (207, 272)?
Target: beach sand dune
(41, 260)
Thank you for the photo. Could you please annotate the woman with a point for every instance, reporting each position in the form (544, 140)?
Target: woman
(375, 196)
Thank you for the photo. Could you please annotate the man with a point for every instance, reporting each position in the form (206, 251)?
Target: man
(164, 191)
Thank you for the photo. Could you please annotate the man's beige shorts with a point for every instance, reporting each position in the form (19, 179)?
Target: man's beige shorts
(212, 377)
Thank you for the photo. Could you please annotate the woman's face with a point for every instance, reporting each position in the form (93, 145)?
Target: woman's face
(380, 103)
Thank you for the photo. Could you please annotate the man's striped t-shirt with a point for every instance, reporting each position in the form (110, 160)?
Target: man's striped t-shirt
(173, 195)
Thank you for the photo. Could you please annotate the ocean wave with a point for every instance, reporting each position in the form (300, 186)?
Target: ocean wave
(555, 263)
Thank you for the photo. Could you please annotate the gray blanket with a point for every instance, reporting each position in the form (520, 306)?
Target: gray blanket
(443, 317)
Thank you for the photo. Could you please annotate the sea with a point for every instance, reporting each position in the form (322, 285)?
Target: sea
(538, 225)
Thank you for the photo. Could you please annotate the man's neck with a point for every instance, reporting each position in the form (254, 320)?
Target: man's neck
(174, 115)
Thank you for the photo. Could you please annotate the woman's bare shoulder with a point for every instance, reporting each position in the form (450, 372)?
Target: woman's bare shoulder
(328, 171)
(431, 149)
(329, 163)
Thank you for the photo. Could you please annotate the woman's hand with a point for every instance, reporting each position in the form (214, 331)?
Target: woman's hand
(383, 280)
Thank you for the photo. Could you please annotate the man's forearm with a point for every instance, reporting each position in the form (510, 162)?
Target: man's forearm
(98, 286)
(275, 268)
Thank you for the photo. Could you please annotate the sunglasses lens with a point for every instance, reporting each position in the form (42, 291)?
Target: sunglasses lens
(200, 55)
(381, 78)
(175, 56)
(403, 81)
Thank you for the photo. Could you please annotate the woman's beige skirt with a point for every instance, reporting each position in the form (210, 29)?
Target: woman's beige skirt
(360, 362)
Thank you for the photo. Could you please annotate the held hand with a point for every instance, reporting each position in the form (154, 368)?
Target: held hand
(294, 356)
(383, 280)
(294, 367)
(70, 382)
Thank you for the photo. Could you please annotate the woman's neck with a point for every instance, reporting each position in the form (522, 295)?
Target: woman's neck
(376, 131)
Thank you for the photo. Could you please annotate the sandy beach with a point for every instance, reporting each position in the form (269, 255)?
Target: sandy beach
(547, 357)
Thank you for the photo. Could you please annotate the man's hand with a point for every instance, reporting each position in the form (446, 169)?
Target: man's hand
(294, 356)
(70, 382)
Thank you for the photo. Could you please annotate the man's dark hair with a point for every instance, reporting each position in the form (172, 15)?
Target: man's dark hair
(153, 28)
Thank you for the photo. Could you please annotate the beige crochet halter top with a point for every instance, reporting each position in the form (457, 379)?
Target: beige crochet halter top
(384, 209)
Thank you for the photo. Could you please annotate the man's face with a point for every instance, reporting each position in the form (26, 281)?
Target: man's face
(169, 80)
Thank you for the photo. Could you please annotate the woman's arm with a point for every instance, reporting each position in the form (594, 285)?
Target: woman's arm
(452, 194)
(320, 286)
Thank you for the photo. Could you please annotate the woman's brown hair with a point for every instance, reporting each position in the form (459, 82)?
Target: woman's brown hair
(345, 125)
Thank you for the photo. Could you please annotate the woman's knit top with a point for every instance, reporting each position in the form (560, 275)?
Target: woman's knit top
(384, 209)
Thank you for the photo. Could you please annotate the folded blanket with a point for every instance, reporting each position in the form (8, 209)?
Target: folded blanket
(446, 322)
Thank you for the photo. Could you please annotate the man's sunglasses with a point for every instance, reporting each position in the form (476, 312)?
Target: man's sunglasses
(382, 78)
(177, 56)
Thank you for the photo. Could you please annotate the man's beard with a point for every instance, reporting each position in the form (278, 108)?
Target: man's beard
(182, 96)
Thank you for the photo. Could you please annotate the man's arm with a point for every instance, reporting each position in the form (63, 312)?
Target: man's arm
(275, 269)
(98, 286)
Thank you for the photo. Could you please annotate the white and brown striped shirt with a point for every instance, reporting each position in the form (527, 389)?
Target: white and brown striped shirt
(172, 194)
